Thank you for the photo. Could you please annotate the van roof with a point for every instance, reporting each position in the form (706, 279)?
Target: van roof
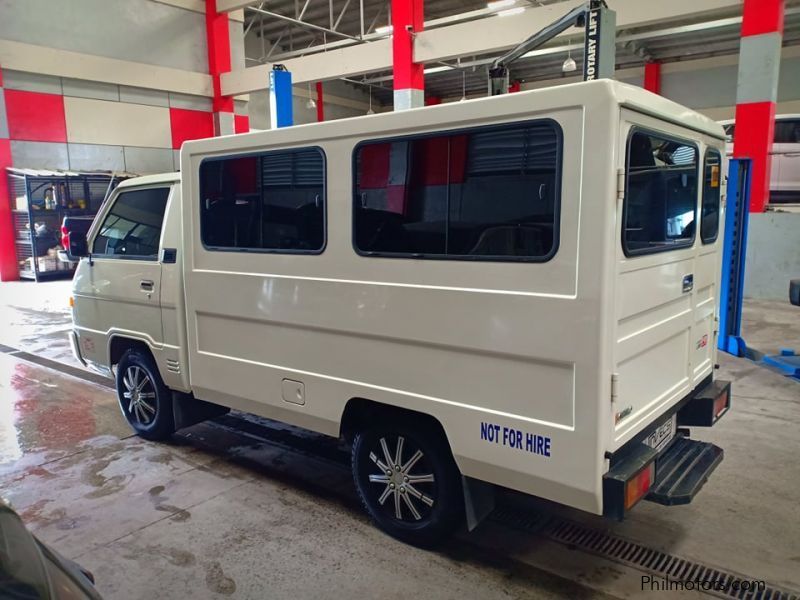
(150, 179)
(468, 113)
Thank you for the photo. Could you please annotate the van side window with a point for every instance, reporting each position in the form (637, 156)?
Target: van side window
(491, 193)
(269, 202)
(660, 194)
(709, 218)
(132, 228)
(787, 131)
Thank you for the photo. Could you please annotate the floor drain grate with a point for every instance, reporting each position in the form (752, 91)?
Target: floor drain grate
(670, 568)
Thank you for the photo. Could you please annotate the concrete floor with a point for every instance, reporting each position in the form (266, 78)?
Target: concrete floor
(246, 508)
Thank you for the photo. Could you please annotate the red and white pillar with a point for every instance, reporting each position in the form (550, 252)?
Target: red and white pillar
(652, 77)
(8, 251)
(757, 92)
(409, 79)
(219, 61)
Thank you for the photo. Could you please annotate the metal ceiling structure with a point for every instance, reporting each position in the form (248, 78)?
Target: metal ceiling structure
(291, 28)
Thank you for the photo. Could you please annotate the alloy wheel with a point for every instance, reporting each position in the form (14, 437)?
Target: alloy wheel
(409, 490)
(140, 394)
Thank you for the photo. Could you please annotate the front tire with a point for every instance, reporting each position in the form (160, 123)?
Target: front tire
(408, 482)
(145, 401)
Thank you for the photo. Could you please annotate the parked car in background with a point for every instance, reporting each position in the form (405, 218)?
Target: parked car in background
(785, 177)
(72, 225)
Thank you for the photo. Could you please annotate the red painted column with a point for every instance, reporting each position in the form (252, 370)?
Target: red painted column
(757, 91)
(219, 61)
(9, 270)
(320, 103)
(409, 78)
(652, 77)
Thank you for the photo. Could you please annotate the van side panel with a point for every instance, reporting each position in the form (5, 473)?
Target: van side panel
(511, 348)
(173, 362)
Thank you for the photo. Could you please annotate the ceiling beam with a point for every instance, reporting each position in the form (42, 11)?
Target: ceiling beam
(482, 36)
(231, 5)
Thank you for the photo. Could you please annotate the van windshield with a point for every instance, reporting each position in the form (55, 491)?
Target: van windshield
(661, 194)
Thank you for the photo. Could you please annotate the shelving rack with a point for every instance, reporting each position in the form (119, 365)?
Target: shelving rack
(37, 222)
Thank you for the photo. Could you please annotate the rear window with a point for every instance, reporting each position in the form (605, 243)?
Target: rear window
(660, 206)
(709, 219)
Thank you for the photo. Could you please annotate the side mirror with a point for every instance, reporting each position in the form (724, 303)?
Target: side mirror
(794, 292)
(78, 246)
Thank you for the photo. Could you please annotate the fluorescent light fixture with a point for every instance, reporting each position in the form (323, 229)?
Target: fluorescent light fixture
(498, 4)
(511, 12)
(384, 29)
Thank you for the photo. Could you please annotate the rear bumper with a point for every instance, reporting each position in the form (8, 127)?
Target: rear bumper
(675, 473)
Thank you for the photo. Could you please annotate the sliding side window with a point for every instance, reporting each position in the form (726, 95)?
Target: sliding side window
(491, 193)
(269, 202)
(661, 194)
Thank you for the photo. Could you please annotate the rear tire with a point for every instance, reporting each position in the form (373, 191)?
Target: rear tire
(145, 401)
(408, 481)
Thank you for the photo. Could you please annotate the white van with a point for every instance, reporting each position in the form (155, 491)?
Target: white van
(784, 181)
(515, 291)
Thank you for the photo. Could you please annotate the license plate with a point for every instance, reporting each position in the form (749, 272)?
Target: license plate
(659, 438)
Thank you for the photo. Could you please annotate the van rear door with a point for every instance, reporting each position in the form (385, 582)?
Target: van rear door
(658, 276)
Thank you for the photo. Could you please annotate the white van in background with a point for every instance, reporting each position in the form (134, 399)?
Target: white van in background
(784, 184)
(515, 291)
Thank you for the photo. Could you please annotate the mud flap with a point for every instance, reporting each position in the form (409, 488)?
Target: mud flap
(478, 500)
(188, 410)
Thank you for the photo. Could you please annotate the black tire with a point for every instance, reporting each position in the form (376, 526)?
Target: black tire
(794, 292)
(438, 505)
(145, 401)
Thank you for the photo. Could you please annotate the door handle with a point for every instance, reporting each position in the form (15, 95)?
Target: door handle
(147, 285)
(688, 282)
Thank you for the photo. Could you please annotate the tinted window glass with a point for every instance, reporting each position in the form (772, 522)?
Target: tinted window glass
(271, 202)
(491, 193)
(787, 131)
(133, 225)
(709, 219)
(661, 194)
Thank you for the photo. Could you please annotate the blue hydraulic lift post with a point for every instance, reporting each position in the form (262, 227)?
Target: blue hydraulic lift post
(734, 248)
(280, 98)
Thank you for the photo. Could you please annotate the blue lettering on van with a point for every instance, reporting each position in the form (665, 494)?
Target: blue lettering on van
(516, 439)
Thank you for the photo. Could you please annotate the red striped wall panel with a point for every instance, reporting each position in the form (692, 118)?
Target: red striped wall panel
(241, 123)
(35, 117)
(190, 125)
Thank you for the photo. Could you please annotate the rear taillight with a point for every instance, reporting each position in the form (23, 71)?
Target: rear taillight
(721, 404)
(64, 238)
(637, 487)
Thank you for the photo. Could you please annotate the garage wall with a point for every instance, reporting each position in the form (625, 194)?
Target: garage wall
(773, 255)
(92, 120)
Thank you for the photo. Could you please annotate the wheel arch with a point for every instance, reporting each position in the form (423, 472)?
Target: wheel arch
(359, 412)
(118, 345)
